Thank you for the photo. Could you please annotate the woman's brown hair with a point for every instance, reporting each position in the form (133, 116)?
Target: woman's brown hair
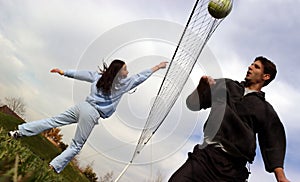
(106, 81)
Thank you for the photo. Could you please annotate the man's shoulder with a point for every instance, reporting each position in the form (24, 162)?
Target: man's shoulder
(231, 86)
(230, 82)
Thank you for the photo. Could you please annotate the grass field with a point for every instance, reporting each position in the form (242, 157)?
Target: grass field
(26, 159)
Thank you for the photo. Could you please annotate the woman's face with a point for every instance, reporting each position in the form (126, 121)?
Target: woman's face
(123, 71)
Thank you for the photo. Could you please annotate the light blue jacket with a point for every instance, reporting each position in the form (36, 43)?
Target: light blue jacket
(106, 104)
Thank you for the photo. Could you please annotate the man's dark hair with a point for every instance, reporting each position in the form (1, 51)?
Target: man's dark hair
(269, 68)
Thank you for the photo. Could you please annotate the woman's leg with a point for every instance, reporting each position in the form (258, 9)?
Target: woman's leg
(36, 127)
(88, 118)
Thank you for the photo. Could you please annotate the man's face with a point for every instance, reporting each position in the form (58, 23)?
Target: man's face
(255, 73)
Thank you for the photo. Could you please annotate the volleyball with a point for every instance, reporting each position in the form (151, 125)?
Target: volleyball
(219, 8)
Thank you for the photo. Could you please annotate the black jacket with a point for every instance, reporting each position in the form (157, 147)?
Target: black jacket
(235, 119)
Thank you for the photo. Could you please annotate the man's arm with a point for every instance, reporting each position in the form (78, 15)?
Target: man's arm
(201, 96)
(272, 142)
(279, 174)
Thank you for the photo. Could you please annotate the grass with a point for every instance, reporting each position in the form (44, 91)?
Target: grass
(26, 159)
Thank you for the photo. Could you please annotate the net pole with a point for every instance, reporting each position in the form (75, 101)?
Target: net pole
(124, 170)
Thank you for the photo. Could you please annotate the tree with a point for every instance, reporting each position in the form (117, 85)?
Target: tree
(16, 104)
(159, 177)
(90, 174)
(63, 146)
(53, 134)
(107, 177)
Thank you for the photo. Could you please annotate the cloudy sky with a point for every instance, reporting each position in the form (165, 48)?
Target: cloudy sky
(36, 36)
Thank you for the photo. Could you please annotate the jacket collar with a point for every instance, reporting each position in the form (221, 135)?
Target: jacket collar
(260, 94)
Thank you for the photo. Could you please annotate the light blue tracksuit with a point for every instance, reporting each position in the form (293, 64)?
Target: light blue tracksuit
(85, 114)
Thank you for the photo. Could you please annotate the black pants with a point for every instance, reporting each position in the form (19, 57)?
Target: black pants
(211, 164)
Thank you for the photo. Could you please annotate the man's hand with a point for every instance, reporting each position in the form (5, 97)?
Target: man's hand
(280, 176)
(209, 80)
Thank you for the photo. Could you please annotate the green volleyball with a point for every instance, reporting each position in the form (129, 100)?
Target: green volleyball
(219, 8)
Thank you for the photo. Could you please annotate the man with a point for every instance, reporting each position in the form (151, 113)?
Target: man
(239, 111)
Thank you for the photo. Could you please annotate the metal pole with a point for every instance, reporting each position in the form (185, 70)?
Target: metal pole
(124, 170)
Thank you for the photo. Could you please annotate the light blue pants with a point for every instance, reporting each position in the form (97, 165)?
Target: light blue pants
(86, 117)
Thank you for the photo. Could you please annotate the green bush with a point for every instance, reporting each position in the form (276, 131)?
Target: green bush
(18, 163)
(33, 155)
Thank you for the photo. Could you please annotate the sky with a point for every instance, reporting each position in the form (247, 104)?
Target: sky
(36, 36)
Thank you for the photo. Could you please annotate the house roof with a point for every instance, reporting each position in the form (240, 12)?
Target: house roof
(5, 109)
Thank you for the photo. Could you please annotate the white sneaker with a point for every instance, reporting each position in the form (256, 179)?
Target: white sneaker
(14, 134)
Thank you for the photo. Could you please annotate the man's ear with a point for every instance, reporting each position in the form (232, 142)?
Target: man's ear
(266, 77)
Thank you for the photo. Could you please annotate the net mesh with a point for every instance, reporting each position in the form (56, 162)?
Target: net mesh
(198, 30)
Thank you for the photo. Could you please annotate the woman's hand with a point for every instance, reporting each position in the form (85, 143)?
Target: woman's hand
(56, 70)
(162, 64)
(159, 66)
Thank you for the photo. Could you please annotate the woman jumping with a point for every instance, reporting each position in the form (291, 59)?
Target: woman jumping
(106, 91)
